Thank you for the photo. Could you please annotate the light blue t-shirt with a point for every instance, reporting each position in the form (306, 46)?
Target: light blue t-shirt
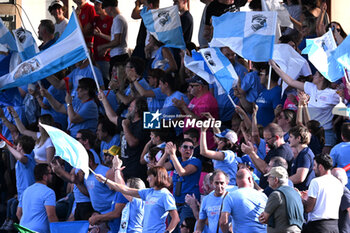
(115, 223)
(169, 109)
(24, 174)
(100, 195)
(89, 112)
(33, 203)
(156, 102)
(228, 165)
(267, 102)
(106, 145)
(252, 86)
(340, 155)
(245, 206)
(96, 157)
(210, 208)
(158, 203)
(136, 215)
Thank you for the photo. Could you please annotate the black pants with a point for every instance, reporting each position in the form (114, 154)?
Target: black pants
(321, 226)
(83, 211)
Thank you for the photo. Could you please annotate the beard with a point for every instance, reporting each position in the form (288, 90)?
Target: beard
(130, 115)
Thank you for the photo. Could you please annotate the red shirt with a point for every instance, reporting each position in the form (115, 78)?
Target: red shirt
(105, 26)
(87, 15)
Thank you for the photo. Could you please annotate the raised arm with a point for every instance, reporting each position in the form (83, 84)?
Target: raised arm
(170, 148)
(21, 128)
(255, 130)
(18, 156)
(73, 116)
(291, 82)
(211, 154)
(257, 161)
(112, 116)
(169, 56)
(57, 106)
(7, 123)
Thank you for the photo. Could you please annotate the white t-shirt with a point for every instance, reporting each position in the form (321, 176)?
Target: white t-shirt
(321, 104)
(119, 26)
(40, 152)
(328, 192)
(59, 28)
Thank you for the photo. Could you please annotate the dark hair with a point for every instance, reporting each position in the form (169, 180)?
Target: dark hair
(161, 176)
(260, 66)
(345, 131)
(40, 170)
(107, 126)
(155, 3)
(325, 160)
(302, 132)
(171, 79)
(27, 143)
(274, 129)
(138, 64)
(255, 5)
(156, 73)
(279, 161)
(192, 133)
(141, 105)
(291, 116)
(152, 152)
(190, 222)
(89, 85)
(87, 134)
(48, 25)
(185, 140)
(161, 133)
(317, 130)
(286, 38)
(57, 6)
(341, 32)
(91, 156)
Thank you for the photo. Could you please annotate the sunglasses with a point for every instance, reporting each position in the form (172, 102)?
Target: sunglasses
(187, 147)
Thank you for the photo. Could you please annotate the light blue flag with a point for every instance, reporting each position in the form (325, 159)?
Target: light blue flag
(6, 37)
(342, 53)
(26, 44)
(252, 36)
(69, 227)
(211, 65)
(69, 49)
(69, 148)
(319, 51)
(165, 25)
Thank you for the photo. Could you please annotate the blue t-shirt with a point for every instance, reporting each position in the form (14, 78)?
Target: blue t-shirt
(100, 195)
(21, 114)
(158, 203)
(86, 72)
(115, 223)
(59, 95)
(156, 102)
(89, 112)
(79, 197)
(112, 100)
(169, 109)
(252, 86)
(24, 174)
(245, 206)
(305, 159)
(136, 215)
(210, 208)
(340, 155)
(106, 145)
(33, 203)
(267, 102)
(228, 165)
(190, 182)
(96, 157)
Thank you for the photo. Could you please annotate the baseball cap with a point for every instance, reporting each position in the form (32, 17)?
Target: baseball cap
(114, 150)
(107, 3)
(197, 79)
(279, 172)
(228, 134)
(55, 2)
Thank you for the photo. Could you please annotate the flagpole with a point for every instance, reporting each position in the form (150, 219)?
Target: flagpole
(92, 171)
(87, 54)
(346, 75)
(269, 80)
(233, 103)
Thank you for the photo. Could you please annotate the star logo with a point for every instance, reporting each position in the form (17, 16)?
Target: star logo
(151, 120)
(156, 115)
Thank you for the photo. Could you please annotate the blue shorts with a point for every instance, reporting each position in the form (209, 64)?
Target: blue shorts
(330, 137)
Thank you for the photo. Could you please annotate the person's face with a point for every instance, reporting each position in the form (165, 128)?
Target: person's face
(41, 32)
(186, 150)
(48, 176)
(79, 138)
(57, 12)
(81, 92)
(316, 169)
(184, 228)
(227, 2)
(281, 119)
(293, 141)
(180, 3)
(229, 54)
(131, 110)
(108, 159)
(100, 134)
(152, 81)
(273, 182)
(162, 87)
(317, 78)
(235, 124)
(294, 46)
(220, 184)
(129, 70)
(154, 138)
(151, 180)
(269, 139)
(98, 7)
(194, 89)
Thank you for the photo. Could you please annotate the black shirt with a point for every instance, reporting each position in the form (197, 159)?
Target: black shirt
(216, 8)
(187, 26)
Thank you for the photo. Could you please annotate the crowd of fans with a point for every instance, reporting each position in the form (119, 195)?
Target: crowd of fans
(273, 164)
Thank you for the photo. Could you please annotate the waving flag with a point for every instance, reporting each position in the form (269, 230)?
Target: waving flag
(211, 65)
(165, 25)
(69, 148)
(252, 37)
(319, 51)
(69, 49)
(26, 45)
(6, 37)
(342, 53)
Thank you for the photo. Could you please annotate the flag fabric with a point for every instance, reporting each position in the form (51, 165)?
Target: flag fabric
(252, 37)
(283, 18)
(165, 25)
(211, 65)
(69, 49)
(319, 51)
(69, 148)
(26, 44)
(6, 37)
(69, 227)
(342, 53)
(23, 229)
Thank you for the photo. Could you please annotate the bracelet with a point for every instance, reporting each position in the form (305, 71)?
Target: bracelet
(105, 181)
(68, 105)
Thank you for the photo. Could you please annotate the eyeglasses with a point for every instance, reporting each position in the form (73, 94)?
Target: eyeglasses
(187, 147)
(192, 85)
(182, 226)
(268, 139)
